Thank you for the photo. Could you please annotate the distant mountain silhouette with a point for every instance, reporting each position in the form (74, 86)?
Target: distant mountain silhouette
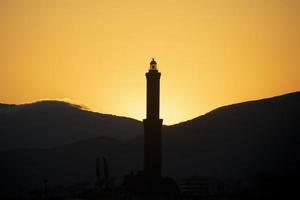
(240, 141)
(47, 124)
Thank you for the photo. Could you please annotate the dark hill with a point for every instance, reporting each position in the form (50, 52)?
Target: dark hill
(50, 123)
(240, 141)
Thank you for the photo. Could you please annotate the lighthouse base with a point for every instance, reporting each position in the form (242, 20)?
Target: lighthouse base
(138, 185)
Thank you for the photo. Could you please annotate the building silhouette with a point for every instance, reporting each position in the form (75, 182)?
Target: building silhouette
(152, 125)
(150, 183)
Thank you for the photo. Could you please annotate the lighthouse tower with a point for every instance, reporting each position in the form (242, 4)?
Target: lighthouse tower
(152, 125)
(151, 183)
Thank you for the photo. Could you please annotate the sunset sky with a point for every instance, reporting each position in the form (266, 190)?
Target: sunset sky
(96, 52)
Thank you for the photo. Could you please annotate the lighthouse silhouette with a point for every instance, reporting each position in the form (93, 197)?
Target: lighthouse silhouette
(152, 125)
(150, 182)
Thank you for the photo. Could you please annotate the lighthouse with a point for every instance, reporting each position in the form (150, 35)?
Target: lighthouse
(152, 125)
(150, 182)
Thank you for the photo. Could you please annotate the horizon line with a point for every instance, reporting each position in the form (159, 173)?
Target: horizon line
(83, 107)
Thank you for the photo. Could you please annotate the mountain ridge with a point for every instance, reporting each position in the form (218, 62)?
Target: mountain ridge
(84, 108)
(51, 123)
(290, 94)
(238, 142)
(51, 118)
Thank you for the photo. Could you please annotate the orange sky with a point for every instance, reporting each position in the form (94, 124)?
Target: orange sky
(96, 52)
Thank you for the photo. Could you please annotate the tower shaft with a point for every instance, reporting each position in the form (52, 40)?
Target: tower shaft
(152, 125)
